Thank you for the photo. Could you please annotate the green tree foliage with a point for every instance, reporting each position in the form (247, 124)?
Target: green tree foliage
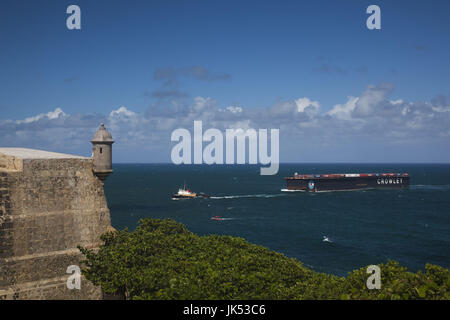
(161, 259)
(400, 284)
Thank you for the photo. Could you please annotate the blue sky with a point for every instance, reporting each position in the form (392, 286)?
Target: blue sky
(134, 64)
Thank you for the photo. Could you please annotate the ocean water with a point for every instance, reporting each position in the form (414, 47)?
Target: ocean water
(333, 232)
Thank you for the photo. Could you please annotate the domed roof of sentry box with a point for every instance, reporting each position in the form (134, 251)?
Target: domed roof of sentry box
(102, 135)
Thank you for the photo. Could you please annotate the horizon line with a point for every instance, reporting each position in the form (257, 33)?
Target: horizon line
(258, 164)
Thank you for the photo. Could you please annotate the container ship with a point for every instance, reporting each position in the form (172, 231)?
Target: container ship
(346, 181)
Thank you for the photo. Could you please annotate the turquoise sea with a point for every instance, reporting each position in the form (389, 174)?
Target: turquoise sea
(362, 227)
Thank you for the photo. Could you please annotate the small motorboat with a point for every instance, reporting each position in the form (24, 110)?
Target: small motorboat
(217, 218)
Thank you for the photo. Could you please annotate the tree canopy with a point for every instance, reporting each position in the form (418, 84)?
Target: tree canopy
(161, 259)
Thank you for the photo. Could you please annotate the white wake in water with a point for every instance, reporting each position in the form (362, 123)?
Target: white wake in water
(249, 196)
(430, 186)
(287, 190)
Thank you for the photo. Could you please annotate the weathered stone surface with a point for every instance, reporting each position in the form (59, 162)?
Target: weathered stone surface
(49, 204)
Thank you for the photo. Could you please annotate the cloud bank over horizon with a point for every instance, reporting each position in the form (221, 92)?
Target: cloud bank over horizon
(368, 127)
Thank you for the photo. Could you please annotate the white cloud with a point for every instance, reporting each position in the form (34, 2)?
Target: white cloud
(370, 99)
(398, 101)
(122, 112)
(344, 111)
(304, 103)
(370, 119)
(55, 114)
(233, 109)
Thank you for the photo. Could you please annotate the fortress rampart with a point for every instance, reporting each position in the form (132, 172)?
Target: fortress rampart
(49, 204)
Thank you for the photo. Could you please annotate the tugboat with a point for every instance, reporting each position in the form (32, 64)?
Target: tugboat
(184, 193)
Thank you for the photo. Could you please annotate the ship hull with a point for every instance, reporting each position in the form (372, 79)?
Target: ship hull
(178, 196)
(320, 184)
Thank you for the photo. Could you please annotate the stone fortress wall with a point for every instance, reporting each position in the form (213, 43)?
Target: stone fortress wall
(49, 204)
